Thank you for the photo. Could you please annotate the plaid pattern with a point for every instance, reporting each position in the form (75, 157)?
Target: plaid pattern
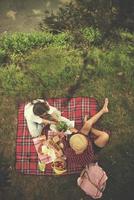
(26, 155)
(42, 157)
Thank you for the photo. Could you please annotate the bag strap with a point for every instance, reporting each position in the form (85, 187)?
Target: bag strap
(91, 181)
(83, 174)
(101, 190)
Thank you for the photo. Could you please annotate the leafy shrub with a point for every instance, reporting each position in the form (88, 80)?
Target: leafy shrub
(91, 34)
(126, 36)
(13, 81)
(62, 39)
(22, 42)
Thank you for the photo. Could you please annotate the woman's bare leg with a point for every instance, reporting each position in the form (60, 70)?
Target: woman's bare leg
(101, 137)
(89, 123)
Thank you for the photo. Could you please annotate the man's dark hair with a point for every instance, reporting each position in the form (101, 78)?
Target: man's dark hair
(40, 108)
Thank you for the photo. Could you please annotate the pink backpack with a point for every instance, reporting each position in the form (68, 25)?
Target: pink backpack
(93, 180)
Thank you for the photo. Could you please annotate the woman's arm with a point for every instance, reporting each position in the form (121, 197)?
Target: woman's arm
(73, 130)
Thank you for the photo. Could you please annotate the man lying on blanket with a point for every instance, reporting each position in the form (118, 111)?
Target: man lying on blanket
(35, 113)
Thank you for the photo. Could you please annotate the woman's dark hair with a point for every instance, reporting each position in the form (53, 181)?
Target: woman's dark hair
(40, 108)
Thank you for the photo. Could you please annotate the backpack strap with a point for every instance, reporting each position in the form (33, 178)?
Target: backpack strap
(101, 190)
(85, 174)
(82, 179)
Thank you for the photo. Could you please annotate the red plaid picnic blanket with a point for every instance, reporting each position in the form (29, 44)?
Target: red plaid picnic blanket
(26, 155)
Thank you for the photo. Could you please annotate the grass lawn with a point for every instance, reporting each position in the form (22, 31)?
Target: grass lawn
(58, 71)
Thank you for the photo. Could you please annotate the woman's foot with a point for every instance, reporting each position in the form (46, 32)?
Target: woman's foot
(105, 106)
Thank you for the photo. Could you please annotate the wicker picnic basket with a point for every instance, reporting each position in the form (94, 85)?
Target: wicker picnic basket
(59, 166)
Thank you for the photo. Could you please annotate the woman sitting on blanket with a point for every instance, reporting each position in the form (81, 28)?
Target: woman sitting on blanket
(79, 140)
(39, 113)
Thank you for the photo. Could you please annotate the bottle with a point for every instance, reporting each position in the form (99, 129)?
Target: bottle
(41, 166)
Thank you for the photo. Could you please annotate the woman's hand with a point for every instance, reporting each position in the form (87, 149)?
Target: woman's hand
(73, 130)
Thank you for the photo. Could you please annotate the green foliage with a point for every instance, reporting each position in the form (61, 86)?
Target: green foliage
(49, 67)
(126, 36)
(53, 69)
(16, 58)
(16, 45)
(22, 42)
(13, 81)
(117, 59)
(2, 56)
(75, 15)
(61, 126)
(63, 39)
(45, 71)
(91, 34)
(102, 14)
(19, 43)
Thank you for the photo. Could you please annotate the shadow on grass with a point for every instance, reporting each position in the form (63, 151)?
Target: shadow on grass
(72, 90)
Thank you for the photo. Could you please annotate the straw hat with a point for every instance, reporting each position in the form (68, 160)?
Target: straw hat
(78, 143)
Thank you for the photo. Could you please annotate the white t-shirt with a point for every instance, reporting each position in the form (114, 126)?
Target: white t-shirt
(30, 116)
(34, 122)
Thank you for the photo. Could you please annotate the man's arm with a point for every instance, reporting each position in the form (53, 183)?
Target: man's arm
(54, 117)
(46, 122)
(54, 113)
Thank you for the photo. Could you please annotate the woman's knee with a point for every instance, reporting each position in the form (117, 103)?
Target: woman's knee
(105, 137)
(86, 128)
(102, 140)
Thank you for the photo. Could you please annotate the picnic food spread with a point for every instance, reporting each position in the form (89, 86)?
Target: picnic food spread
(61, 126)
(51, 148)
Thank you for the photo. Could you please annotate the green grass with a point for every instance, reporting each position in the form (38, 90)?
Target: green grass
(51, 71)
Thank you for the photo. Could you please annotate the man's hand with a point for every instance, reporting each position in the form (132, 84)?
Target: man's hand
(42, 137)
